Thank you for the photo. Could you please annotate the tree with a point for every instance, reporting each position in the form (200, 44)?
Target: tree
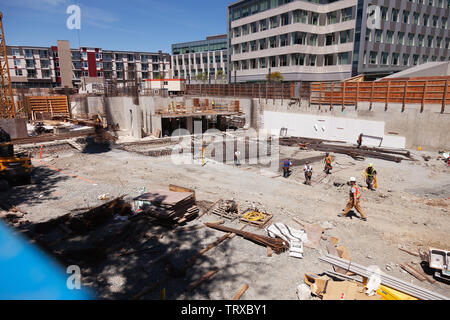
(275, 76)
(220, 75)
(203, 77)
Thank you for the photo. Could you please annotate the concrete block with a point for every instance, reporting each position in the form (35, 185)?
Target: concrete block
(16, 128)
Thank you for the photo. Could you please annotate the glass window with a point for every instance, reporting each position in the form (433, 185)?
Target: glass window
(298, 59)
(373, 57)
(346, 14)
(395, 59)
(384, 58)
(343, 58)
(405, 59)
(331, 18)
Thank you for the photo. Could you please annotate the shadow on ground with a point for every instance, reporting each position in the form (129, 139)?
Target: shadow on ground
(131, 257)
(43, 184)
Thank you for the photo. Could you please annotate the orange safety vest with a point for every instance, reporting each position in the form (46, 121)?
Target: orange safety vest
(357, 193)
(328, 159)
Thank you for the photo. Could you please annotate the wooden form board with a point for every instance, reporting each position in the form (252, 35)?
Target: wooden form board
(424, 91)
(260, 90)
(55, 105)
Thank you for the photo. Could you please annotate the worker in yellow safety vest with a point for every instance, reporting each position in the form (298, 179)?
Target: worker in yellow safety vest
(371, 176)
(355, 197)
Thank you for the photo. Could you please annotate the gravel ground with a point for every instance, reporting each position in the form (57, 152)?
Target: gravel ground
(411, 207)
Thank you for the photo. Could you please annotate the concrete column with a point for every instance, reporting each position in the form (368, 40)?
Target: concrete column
(136, 121)
(156, 124)
(190, 125)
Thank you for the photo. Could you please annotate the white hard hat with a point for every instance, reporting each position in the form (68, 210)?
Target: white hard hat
(352, 179)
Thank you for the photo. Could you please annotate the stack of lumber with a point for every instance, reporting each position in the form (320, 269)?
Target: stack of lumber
(168, 205)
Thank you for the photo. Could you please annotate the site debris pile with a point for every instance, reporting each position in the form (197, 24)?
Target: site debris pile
(339, 147)
(167, 206)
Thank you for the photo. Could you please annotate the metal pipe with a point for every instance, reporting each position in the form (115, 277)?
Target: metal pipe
(385, 279)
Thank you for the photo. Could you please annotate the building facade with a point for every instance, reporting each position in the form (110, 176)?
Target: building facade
(332, 40)
(205, 59)
(61, 66)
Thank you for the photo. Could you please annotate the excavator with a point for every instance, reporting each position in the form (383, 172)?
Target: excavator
(14, 168)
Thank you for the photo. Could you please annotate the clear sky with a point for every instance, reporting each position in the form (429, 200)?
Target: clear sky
(135, 25)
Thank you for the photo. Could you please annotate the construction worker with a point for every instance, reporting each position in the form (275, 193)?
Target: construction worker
(355, 196)
(308, 173)
(213, 104)
(328, 161)
(360, 140)
(371, 174)
(286, 168)
(237, 156)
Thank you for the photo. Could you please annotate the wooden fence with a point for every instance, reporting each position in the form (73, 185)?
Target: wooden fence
(400, 91)
(284, 90)
(52, 105)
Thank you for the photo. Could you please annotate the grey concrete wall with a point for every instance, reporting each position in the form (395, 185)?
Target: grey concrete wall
(429, 130)
(16, 128)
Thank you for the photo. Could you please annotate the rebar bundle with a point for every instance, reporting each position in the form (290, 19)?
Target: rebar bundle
(276, 244)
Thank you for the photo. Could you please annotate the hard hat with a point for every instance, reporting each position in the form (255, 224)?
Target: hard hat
(352, 179)
(371, 165)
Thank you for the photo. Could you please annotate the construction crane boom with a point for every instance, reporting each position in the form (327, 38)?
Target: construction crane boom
(7, 107)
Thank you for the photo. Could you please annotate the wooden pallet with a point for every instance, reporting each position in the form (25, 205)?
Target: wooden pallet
(260, 224)
(218, 210)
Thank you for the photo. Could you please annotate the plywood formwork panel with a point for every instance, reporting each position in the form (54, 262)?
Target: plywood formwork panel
(55, 105)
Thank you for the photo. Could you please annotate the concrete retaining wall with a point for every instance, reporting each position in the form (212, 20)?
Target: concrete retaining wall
(410, 129)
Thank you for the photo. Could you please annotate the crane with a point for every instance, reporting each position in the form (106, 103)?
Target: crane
(7, 107)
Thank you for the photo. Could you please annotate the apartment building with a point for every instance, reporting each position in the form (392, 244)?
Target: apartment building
(61, 66)
(330, 40)
(210, 57)
(32, 66)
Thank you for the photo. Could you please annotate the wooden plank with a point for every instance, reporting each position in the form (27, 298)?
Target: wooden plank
(175, 188)
(444, 97)
(371, 95)
(387, 96)
(412, 272)
(427, 277)
(409, 252)
(198, 282)
(241, 292)
(404, 96)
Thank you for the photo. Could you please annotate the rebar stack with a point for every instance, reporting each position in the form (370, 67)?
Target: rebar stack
(276, 244)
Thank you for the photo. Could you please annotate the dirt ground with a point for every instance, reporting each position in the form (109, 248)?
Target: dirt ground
(411, 208)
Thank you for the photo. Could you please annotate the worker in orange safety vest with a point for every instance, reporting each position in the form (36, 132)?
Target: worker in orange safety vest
(328, 161)
(355, 196)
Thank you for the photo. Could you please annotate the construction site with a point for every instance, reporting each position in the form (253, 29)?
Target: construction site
(204, 194)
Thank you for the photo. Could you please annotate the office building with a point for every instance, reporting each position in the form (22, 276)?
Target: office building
(332, 40)
(205, 57)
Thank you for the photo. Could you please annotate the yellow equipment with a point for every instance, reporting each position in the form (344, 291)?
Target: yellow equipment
(253, 216)
(13, 168)
(391, 294)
